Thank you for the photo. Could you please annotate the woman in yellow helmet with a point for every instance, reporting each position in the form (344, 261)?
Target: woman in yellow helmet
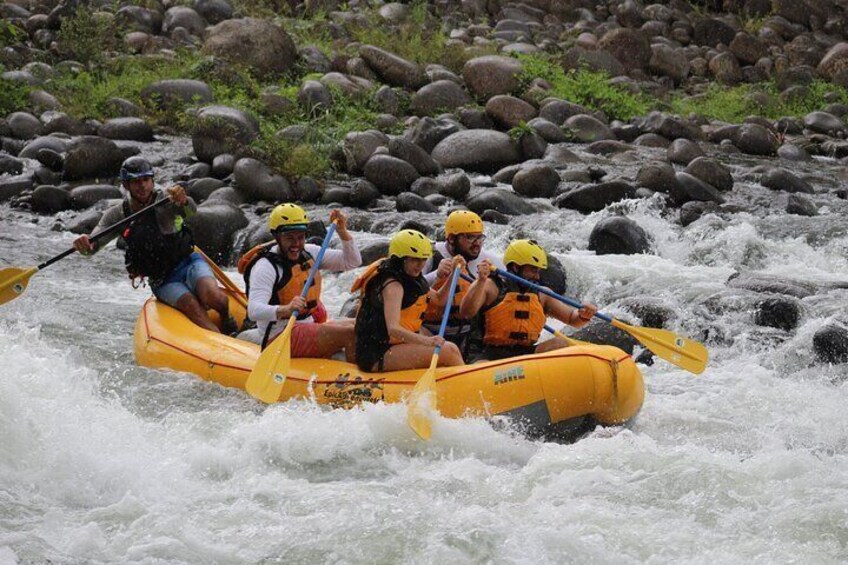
(514, 315)
(394, 296)
(276, 273)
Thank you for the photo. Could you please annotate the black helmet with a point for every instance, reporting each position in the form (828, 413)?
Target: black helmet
(136, 168)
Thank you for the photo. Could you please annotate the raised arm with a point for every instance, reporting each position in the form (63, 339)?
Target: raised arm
(482, 291)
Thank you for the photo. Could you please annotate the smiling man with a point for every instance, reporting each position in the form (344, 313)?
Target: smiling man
(160, 247)
(275, 276)
(464, 236)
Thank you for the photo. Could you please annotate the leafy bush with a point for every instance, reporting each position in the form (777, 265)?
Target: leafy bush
(10, 33)
(584, 87)
(87, 36)
(13, 95)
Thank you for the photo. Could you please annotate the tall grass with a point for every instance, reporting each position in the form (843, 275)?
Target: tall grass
(737, 103)
(587, 88)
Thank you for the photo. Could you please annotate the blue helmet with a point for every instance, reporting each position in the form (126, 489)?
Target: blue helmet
(136, 168)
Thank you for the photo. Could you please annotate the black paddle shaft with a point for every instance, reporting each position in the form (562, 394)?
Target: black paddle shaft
(111, 229)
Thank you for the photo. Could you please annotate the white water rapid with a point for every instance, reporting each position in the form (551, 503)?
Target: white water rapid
(102, 461)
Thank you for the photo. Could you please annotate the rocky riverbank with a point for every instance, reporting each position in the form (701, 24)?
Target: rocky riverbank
(708, 111)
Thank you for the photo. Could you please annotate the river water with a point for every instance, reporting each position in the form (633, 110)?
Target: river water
(102, 461)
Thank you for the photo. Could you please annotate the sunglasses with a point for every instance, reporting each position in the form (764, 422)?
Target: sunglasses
(474, 237)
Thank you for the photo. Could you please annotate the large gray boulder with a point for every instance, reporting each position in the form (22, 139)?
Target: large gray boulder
(500, 200)
(483, 151)
(389, 174)
(358, 146)
(428, 132)
(361, 194)
(221, 129)
(618, 235)
(508, 111)
(184, 17)
(780, 179)
(88, 195)
(439, 96)
(253, 43)
(491, 75)
(214, 226)
(711, 172)
(134, 129)
(754, 139)
(49, 199)
(595, 197)
(92, 157)
(53, 143)
(256, 181)
(536, 181)
(392, 69)
(831, 344)
(404, 149)
(168, 94)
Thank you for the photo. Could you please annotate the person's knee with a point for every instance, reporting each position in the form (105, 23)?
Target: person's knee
(188, 304)
(450, 354)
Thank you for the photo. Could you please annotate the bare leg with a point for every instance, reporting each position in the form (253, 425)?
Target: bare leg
(211, 296)
(414, 356)
(551, 344)
(332, 337)
(189, 305)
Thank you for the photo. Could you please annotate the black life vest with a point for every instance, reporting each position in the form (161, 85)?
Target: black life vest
(371, 331)
(151, 253)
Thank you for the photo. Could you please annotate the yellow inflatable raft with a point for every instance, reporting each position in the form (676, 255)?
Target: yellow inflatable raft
(556, 395)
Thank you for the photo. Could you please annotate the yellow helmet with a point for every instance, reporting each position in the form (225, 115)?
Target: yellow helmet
(288, 217)
(525, 252)
(410, 243)
(463, 221)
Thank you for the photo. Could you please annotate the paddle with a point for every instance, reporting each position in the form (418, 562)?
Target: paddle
(268, 376)
(685, 353)
(570, 341)
(417, 417)
(237, 293)
(14, 280)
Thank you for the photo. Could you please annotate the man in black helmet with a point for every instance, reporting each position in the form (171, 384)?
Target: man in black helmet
(160, 247)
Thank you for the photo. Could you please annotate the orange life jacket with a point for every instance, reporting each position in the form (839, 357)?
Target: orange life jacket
(290, 283)
(516, 317)
(434, 312)
(416, 297)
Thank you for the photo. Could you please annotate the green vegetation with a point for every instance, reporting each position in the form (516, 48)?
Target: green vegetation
(10, 33)
(584, 87)
(520, 131)
(86, 95)
(419, 39)
(735, 104)
(87, 35)
(13, 95)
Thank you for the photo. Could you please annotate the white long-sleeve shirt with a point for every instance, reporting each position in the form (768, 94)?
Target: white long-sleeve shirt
(264, 273)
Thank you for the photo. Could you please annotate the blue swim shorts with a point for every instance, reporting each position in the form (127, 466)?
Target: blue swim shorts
(183, 279)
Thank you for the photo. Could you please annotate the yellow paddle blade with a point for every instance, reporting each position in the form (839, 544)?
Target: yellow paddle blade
(423, 396)
(13, 282)
(268, 376)
(570, 340)
(685, 353)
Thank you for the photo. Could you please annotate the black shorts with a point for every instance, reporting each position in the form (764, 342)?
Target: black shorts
(371, 360)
